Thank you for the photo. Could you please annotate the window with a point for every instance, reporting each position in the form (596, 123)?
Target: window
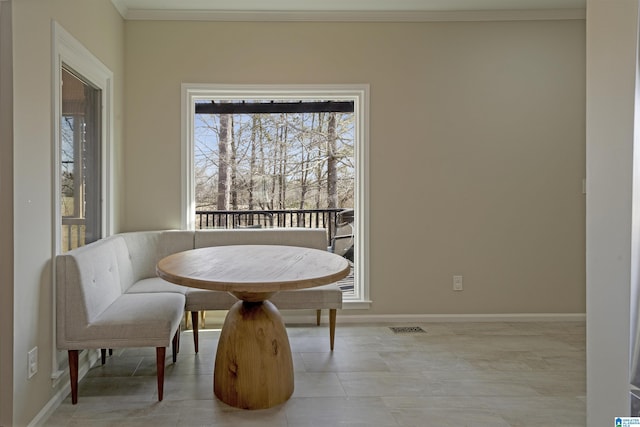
(82, 144)
(280, 156)
(80, 165)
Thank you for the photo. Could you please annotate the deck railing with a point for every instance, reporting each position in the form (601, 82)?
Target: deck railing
(306, 218)
(73, 233)
(73, 229)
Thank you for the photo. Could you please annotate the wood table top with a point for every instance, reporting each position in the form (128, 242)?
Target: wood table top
(253, 268)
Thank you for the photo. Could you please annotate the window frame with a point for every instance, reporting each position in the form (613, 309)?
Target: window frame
(70, 52)
(359, 93)
(67, 50)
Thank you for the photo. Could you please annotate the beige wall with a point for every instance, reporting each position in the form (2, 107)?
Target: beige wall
(476, 140)
(100, 28)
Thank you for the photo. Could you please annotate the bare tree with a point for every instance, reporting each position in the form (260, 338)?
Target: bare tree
(274, 161)
(282, 163)
(252, 159)
(224, 162)
(332, 176)
(233, 166)
(305, 160)
(320, 163)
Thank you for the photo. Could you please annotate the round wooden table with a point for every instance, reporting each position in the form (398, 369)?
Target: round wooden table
(253, 367)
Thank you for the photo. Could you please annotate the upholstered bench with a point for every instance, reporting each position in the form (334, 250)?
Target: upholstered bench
(94, 312)
(108, 294)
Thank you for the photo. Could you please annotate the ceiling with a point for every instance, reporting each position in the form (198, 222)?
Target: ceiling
(347, 10)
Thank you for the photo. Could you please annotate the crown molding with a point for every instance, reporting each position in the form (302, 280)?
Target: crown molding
(350, 10)
(348, 16)
(121, 7)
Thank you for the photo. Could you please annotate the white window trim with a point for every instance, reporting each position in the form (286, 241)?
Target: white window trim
(191, 92)
(69, 51)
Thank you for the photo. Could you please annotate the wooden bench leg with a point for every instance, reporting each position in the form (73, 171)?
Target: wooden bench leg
(103, 354)
(175, 345)
(73, 374)
(318, 314)
(160, 354)
(332, 326)
(194, 325)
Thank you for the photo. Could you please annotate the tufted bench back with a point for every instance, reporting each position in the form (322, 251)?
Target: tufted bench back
(146, 248)
(89, 280)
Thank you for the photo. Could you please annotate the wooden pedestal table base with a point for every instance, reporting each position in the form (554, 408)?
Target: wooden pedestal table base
(253, 364)
(253, 369)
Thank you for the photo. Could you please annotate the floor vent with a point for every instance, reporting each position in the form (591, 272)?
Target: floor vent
(407, 329)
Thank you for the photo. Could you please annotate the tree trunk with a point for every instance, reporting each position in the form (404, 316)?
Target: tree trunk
(263, 169)
(274, 173)
(304, 174)
(305, 163)
(224, 169)
(332, 175)
(234, 169)
(283, 165)
(252, 161)
(319, 163)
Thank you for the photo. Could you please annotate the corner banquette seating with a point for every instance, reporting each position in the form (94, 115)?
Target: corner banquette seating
(108, 294)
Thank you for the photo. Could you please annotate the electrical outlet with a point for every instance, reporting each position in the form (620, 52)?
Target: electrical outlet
(32, 362)
(457, 283)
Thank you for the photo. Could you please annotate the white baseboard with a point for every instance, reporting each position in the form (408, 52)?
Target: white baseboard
(431, 318)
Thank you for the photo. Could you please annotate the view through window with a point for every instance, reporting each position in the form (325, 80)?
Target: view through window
(277, 163)
(80, 150)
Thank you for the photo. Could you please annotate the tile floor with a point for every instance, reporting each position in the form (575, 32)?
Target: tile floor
(455, 374)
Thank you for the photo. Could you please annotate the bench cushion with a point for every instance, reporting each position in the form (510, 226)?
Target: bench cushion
(133, 320)
(156, 284)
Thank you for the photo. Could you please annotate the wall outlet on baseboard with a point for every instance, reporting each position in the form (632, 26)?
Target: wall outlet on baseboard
(32, 362)
(457, 283)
